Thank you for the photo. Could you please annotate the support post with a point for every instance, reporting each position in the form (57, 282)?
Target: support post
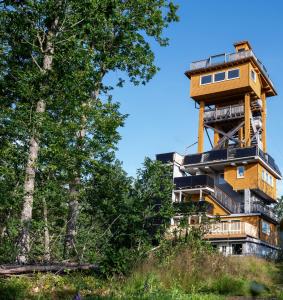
(263, 98)
(247, 201)
(216, 137)
(247, 120)
(241, 136)
(201, 128)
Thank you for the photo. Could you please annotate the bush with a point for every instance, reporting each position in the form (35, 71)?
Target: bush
(227, 285)
(14, 289)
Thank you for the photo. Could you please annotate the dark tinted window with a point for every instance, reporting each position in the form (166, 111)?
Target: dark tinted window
(233, 73)
(219, 76)
(206, 79)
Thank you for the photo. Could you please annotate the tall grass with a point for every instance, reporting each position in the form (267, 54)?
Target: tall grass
(190, 273)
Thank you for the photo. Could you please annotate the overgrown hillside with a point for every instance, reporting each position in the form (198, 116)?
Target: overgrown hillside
(182, 272)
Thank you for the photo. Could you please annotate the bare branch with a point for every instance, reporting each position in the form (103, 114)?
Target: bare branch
(34, 60)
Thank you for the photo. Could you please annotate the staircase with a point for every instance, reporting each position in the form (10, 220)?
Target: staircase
(227, 197)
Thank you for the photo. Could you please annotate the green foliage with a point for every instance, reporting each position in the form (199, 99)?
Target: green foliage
(14, 289)
(228, 285)
(91, 39)
(134, 213)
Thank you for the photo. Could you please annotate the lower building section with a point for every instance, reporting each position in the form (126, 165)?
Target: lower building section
(248, 246)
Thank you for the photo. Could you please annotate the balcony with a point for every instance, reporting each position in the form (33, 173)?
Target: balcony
(226, 58)
(231, 229)
(221, 230)
(231, 153)
(268, 211)
(193, 182)
(224, 113)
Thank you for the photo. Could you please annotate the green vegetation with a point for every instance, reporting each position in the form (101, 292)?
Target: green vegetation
(186, 273)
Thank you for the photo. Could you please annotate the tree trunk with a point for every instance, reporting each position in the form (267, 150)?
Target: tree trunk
(73, 205)
(71, 229)
(46, 232)
(33, 269)
(26, 214)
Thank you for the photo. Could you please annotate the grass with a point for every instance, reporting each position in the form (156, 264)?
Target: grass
(187, 275)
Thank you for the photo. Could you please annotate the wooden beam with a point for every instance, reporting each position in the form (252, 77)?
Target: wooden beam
(225, 134)
(247, 120)
(263, 98)
(241, 136)
(201, 128)
(216, 137)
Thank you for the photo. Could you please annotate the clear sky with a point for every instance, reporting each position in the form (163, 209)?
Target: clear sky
(162, 117)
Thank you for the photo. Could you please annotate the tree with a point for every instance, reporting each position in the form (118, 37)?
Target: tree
(42, 43)
(118, 44)
(134, 213)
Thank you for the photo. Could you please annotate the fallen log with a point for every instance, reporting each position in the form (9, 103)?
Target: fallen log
(7, 270)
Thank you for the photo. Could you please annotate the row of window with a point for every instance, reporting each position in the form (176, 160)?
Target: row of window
(220, 76)
(225, 75)
(266, 177)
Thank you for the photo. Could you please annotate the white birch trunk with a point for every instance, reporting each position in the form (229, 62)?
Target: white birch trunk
(26, 214)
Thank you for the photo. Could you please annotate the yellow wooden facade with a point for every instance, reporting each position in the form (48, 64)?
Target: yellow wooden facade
(253, 179)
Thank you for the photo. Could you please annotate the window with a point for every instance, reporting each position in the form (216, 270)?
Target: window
(219, 76)
(265, 227)
(234, 74)
(206, 79)
(270, 179)
(237, 249)
(266, 177)
(241, 49)
(241, 172)
(224, 249)
(253, 75)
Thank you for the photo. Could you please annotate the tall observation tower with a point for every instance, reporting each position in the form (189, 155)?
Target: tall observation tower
(237, 177)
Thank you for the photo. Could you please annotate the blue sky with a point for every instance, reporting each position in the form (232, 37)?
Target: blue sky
(162, 117)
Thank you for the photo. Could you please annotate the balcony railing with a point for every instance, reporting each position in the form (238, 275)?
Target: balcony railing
(218, 230)
(225, 58)
(232, 228)
(268, 211)
(223, 113)
(231, 153)
(225, 200)
(190, 182)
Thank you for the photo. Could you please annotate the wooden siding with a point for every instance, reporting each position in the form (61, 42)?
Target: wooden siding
(252, 179)
(241, 85)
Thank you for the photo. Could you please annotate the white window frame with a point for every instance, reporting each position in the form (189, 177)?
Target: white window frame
(238, 173)
(253, 72)
(227, 77)
(265, 230)
(212, 79)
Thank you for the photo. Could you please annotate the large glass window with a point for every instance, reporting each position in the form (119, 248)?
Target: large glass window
(219, 76)
(234, 74)
(206, 79)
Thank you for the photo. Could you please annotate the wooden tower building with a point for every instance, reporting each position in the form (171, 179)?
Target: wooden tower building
(237, 177)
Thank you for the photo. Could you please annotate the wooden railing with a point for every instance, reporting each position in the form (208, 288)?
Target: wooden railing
(232, 228)
(227, 112)
(221, 229)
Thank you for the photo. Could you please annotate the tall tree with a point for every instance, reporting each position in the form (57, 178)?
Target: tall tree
(42, 43)
(120, 43)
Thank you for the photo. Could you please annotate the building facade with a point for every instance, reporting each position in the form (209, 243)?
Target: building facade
(237, 177)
